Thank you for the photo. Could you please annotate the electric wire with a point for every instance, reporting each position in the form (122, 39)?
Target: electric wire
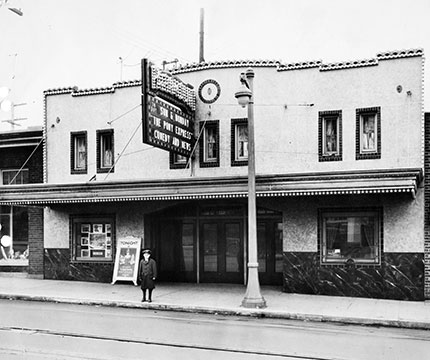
(125, 147)
(123, 114)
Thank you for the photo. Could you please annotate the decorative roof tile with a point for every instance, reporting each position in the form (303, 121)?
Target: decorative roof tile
(399, 54)
(130, 83)
(85, 92)
(247, 63)
(224, 64)
(65, 90)
(348, 64)
(299, 65)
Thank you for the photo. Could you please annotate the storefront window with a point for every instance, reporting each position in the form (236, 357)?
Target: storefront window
(13, 235)
(93, 238)
(351, 236)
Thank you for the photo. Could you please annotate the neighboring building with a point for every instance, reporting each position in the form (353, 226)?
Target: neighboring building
(339, 161)
(21, 227)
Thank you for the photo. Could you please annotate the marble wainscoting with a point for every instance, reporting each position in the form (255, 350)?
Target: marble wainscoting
(399, 277)
(57, 266)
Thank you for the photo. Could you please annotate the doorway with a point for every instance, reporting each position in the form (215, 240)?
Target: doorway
(207, 244)
(221, 251)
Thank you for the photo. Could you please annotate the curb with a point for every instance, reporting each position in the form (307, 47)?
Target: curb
(255, 313)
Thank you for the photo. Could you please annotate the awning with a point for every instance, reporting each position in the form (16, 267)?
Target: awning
(315, 184)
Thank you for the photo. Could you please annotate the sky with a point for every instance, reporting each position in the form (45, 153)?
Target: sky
(94, 43)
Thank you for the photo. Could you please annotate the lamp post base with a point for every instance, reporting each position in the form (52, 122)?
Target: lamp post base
(253, 298)
(254, 303)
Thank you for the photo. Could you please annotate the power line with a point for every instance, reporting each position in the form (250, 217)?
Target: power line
(125, 147)
(120, 116)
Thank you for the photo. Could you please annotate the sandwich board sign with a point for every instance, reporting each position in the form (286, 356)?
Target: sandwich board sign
(127, 260)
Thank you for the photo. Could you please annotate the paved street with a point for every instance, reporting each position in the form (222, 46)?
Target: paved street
(37, 330)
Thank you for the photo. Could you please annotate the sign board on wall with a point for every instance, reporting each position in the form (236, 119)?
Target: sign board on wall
(167, 111)
(127, 260)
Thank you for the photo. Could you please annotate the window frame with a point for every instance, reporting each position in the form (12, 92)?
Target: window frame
(368, 154)
(74, 220)
(235, 159)
(101, 134)
(174, 163)
(73, 152)
(22, 172)
(350, 212)
(204, 161)
(323, 116)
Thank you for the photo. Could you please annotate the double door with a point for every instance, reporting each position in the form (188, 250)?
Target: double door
(213, 249)
(221, 251)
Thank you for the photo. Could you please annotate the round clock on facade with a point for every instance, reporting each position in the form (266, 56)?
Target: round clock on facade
(209, 91)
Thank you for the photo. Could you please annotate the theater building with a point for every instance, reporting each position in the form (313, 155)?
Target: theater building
(339, 177)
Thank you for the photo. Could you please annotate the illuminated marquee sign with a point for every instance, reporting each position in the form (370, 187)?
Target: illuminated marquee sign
(167, 111)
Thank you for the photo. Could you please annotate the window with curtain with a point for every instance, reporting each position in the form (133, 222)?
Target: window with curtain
(239, 142)
(368, 133)
(209, 143)
(105, 151)
(242, 142)
(78, 144)
(330, 135)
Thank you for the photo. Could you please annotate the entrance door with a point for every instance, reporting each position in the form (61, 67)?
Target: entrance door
(177, 251)
(270, 254)
(221, 251)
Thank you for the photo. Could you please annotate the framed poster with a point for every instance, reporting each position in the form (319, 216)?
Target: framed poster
(127, 260)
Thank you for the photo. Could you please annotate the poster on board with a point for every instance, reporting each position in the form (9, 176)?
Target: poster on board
(127, 260)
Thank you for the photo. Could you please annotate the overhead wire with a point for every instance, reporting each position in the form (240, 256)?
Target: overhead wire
(125, 147)
(122, 115)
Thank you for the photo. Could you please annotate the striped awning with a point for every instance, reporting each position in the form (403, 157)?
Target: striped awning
(315, 184)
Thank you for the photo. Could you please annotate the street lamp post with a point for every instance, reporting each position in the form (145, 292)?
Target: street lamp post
(253, 297)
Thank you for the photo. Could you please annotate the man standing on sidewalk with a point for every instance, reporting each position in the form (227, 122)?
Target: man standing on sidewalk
(147, 274)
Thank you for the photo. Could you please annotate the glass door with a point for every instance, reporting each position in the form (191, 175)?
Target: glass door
(177, 251)
(221, 251)
(270, 253)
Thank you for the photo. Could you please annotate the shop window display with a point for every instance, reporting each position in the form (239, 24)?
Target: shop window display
(93, 239)
(350, 236)
(13, 236)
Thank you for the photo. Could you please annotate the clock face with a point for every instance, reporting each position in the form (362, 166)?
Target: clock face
(209, 91)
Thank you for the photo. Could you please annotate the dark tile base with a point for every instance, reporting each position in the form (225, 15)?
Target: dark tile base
(399, 277)
(58, 267)
(12, 268)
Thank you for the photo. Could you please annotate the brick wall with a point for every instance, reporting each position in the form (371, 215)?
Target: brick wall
(35, 240)
(427, 207)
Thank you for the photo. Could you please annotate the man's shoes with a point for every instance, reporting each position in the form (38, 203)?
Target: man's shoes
(149, 300)
(143, 300)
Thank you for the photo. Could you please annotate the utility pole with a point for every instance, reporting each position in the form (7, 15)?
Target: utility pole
(202, 35)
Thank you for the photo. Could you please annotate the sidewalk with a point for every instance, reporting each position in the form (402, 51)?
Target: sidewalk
(223, 299)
